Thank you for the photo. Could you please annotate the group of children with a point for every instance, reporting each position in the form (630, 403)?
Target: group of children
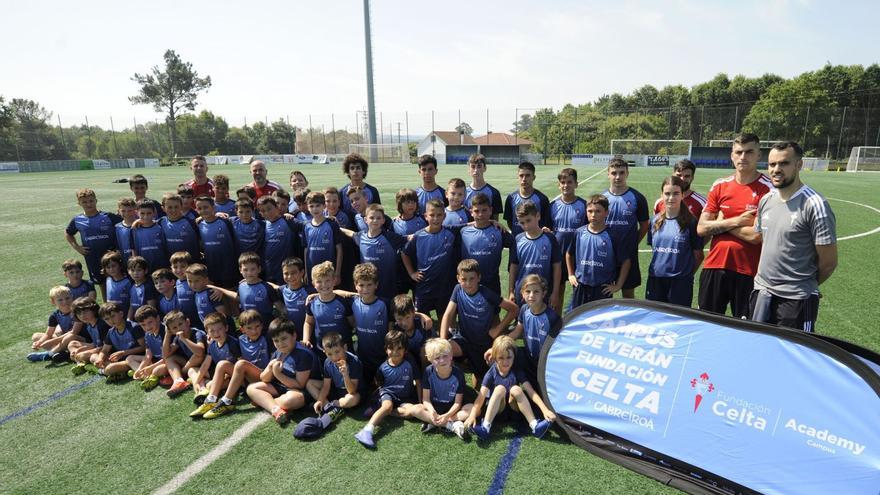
(187, 305)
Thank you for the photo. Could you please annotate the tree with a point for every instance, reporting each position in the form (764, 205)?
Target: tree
(523, 124)
(464, 128)
(171, 90)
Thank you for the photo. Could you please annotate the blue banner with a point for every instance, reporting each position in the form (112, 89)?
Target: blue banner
(721, 405)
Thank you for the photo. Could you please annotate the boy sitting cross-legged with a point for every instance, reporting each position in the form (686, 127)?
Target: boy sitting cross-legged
(124, 346)
(84, 348)
(183, 348)
(223, 352)
(61, 321)
(151, 368)
(442, 392)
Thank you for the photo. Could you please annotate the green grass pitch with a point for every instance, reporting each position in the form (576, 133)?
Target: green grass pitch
(115, 438)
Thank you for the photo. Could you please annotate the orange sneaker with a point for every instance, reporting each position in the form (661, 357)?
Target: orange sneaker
(281, 416)
(178, 388)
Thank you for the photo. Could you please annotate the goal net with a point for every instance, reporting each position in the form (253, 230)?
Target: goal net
(651, 152)
(864, 158)
(382, 153)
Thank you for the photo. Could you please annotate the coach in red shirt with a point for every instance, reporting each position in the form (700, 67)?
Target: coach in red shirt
(200, 183)
(260, 184)
(730, 267)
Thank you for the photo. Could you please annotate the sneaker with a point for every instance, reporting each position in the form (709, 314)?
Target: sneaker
(200, 397)
(150, 383)
(541, 428)
(202, 409)
(166, 381)
(365, 438)
(281, 416)
(78, 369)
(38, 356)
(219, 410)
(91, 368)
(60, 357)
(426, 428)
(481, 432)
(178, 388)
(459, 430)
(335, 412)
(116, 378)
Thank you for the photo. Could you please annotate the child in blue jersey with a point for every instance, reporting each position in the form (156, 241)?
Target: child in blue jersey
(256, 350)
(399, 383)
(429, 189)
(142, 291)
(183, 348)
(627, 221)
(186, 193)
(127, 209)
(456, 213)
(477, 171)
(218, 243)
(222, 202)
(380, 246)
(443, 387)
(526, 192)
(73, 272)
(118, 285)
(359, 204)
(124, 346)
(429, 257)
(253, 293)
(503, 386)
(61, 321)
(484, 241)
(533, 324)
(297, 202)
(281, 239)
(186, 301)
(85, 346)
(332, 209)
(408, 220)
(568, 213)
(676, 247)
(249, 232)
(322, 240)
(284, 379)
(151, 369)
(535, 252)
(294, 293)
(342, 377)
(371, 318)
(594, 260)
(166, 286)
(326, 312)
(148, 239)
(206, 299)
(475, 308)
(354, 166)
(418, 327)
(96, 231)
(222, 353)
(181, 233)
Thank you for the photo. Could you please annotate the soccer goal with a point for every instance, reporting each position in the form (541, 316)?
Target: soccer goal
(382, 153)
(651, 152)
(863, 159)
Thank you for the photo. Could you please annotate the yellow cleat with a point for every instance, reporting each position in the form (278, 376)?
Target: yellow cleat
(198, 413)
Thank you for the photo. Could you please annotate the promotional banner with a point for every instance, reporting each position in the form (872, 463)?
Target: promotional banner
(711, 404)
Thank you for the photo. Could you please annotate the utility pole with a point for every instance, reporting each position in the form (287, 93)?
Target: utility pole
(371, 101)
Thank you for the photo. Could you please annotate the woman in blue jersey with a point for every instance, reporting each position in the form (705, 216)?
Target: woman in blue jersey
(677, 250)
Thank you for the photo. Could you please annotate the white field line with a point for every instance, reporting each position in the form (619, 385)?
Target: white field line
(202, 462)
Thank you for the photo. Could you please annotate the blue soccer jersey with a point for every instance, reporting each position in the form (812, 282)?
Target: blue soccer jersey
(125, 339)
(259, 296)
(227, 207)
(382, 251)
(425, 196)
(535, 256)
(475, 314)
(330, 316)
(355, 372)
(514, 199)
(249, 236)
(168, 304)
(596, 257)
(204, 304)
(485, 245)
(456, 218)
(360, 223)
(140, 293)
(219, 246)
(535, 330)
(228, 351)
(196, 336)
(443, 390)
(343, 219)
(371, 325)
(149, 243)
(565, 219)
(370, 193)
(186, 301)
(256, 352)
(281, 241)
(319, 242)
(82, 290)
(63, 322)
(625, 212)
(181, 235)
(493, 378)
(493, 194)
(416, 339)
(397, 381)
(295, 304)
(123, 241)
(300, 359)
(153, 341)
(119, 291)
(433, 254)
(410, 226)
(673, 249)
(96, 334)
(97, 233)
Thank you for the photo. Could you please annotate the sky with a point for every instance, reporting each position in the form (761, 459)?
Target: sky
(489, 60)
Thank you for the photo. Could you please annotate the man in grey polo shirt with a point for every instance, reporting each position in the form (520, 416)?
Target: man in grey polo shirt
(799, 248)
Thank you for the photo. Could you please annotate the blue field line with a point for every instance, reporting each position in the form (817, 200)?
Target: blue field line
(504, 466)
(52, 398)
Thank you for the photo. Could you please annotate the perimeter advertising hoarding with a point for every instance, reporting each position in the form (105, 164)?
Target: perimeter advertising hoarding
(711, 404)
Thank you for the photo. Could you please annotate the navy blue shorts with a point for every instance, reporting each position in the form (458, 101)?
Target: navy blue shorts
(436, 301)
(388, 395)
(582, 294)
(442, 407)
(93, 265)
(474, 354)
(672, 290)
(634, 277)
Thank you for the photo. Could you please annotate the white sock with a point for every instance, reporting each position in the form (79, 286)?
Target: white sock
(533, 423)
(487, 425)
(450, 425)
(275, 409)
(179, 380)
(226, 401)
(211, 398)
(370, 428)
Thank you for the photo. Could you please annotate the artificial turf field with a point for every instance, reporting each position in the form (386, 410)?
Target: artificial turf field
(65, 434)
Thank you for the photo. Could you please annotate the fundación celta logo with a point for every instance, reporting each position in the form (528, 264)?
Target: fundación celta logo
(701, 386)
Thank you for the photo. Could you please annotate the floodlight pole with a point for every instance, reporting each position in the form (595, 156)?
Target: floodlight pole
(371, 102)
